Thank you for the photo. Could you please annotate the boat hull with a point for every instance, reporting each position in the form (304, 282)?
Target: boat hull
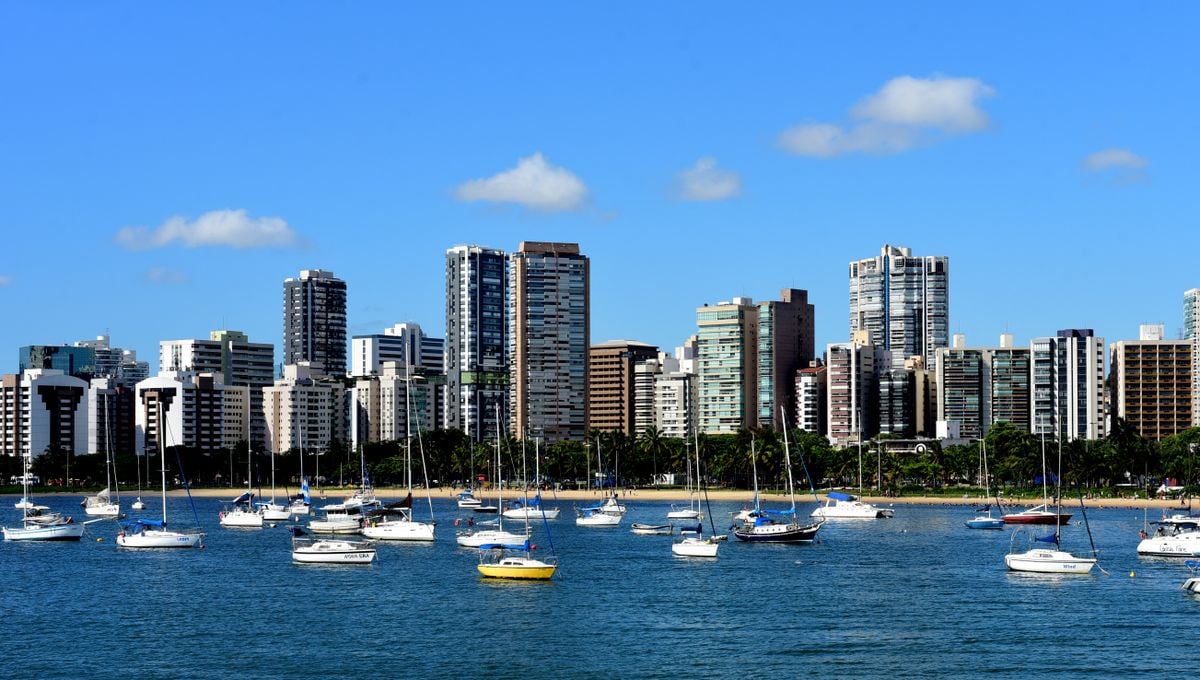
(1037, 518)
(691, 547)
(159, 539)
(1192, 585)
(1048, 562)
(516, 568)
(324, 526)
(52, 532)
(400, 530)
(985, 523)
(333, 552)
(1183, 545)
(778, 533)
(598, 519)
(478, 538)
(652, 529)
(531, 513)
(241, 519)
(852, 510)
(102, 510)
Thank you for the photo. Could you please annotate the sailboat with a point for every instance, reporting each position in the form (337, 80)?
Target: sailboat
(395, 522)
(300, 503)
(985, 521)
(1040, 514)
(692, 511)
(102, 504)
(496, 560)
(37, 522)
(150, 533)
(477, 538)
(273, 511)
(1045, 560)
(139, 504)
(776, 526)
(532, 508)
(243, 513)
(606, 514)
(695, 545)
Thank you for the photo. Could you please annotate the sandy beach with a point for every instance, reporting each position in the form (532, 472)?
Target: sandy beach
(330, 494)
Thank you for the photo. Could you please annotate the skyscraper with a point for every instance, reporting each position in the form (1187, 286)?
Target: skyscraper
(548, 340)
(727, 366)
(1191, 331)
(476, 360)
(785, 345)
(314, 321)
(902, 302)
(1153, 383)
(851, 383)
(611, 376)
(1068, 384)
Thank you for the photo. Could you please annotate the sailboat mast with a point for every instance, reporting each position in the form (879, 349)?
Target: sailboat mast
(787, 456)
(162, 458)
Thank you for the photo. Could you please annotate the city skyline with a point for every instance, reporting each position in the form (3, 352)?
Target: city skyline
(161, 198)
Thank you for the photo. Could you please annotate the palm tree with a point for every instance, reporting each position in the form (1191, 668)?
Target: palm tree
(654, 444)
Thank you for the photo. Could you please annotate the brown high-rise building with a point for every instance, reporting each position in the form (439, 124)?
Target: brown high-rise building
(611, 383)
(786, 339)
(1153, 383)
(549, 330)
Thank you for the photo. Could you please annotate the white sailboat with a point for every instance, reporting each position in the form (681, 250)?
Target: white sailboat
(243, 514)
(532, 508)
(273, 510)
(103, 504)
(1046, 560)
(149, 533)
(696, 545)
(300, 504)
(37, 523)
(395, 522)
(606, 514)
(692, 511)
(477, 537)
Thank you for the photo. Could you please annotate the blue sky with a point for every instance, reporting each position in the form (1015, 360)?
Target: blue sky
(164, 167)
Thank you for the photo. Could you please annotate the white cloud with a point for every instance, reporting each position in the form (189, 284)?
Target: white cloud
(165, 276)
(704, 181)
(5, 280)
(905, 113)
(949, 104)
(230, 228)
(534, 184)
(1107, 159)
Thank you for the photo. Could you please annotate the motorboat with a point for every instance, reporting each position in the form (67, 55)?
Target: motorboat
(23, 504)
(138, 504)
(467, 500)
(307, 550)
(1039, 514)
(653, 529)
(495, 562)
(1192, 585)
(840, 505)
(695, 546)
(684, 513)
(985, 522)
(1179, 537)
(338, 519)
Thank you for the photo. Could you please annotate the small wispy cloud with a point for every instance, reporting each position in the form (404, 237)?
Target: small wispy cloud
(534, 183)
(905, 113)
(228, 228)
(5, 280)
(164, 276)
(1109, 159)
(704, 181)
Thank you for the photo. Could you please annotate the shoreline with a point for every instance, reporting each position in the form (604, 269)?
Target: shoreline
(333, 495)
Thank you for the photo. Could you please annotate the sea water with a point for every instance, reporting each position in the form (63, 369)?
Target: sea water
(916, 595)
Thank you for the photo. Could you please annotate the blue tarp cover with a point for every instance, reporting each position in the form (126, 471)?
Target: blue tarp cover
(244, 498)
(1052, 538)
(505, 546)
(145, 522)
(839, 496)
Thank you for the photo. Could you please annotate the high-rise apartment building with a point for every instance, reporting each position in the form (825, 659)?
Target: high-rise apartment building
(239, 362)
(786, 338)
(43, 409)
(305, 410)
(314, 321)
(611, 377)
(1191, 331)
(548, 341)
(117, 363)
(476, 354)
(902, 302)
(978, 387)
(851, 398)
(402, 343)
(1153, 383)
(810, 398)
(111, 417)
(1067, 385)
(77, 362)
(189, 406)
(727, 366)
